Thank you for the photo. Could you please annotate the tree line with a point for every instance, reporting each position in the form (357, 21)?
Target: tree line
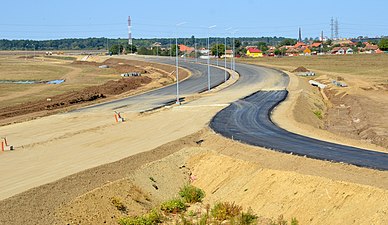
(106, 43)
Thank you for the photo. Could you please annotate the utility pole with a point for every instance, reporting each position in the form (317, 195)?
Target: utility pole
(332, 28)
(208, 58)
(225, 60)
(336, 28)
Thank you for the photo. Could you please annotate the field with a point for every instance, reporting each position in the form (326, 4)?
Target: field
(85, 83)
(20, 68)
(369, 67)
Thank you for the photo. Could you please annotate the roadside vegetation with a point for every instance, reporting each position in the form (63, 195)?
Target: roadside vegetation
(188, 209)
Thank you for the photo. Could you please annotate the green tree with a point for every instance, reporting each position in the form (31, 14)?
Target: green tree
(218, 50)
(262, 46)
(287, 41)
(237, 43)
(383, 44)
(115, 49)
(130, 49)
(144, 51)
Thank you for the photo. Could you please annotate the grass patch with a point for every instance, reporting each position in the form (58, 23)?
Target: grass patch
(318, 114)
(191, 194)
(68, 58)
(225, 210)
(151, 218)
(173, 206)
(175, 212)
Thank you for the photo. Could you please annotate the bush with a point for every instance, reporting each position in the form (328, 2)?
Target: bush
(191, 194)
(248, 218)
(118, 204)
(225, 210)
(173, 206)
(294, 221)
(148, 219)
(383, 44)
(318, 114)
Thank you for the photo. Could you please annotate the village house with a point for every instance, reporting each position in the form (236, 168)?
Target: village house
(185, 49)
(228, 54)
(342, 51)
(254, 53)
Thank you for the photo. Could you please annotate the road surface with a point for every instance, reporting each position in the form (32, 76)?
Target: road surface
(248, 120)
(157, 98)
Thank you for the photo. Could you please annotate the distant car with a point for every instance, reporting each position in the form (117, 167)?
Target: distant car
(133, 74)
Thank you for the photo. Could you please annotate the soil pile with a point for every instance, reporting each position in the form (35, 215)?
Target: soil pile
(357, 117)
(89, 94)
(300, 69)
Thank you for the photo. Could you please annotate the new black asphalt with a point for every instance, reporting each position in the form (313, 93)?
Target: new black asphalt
(248, 121)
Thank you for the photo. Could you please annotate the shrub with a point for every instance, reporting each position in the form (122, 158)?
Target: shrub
(148, 219)
(191, 194)
(294, 221)
(248, 218)
(225, 210)
(118, 204)
(318, 114)
(173, 206)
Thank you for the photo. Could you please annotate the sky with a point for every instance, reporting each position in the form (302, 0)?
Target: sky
(56, 19)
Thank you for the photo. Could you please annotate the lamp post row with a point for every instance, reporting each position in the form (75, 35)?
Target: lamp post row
(233, 67)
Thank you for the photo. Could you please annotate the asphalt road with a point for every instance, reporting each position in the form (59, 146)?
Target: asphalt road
(248, 121)
(153, 99)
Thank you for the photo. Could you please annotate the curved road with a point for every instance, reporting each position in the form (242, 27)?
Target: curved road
(248, 120)
(167, 95)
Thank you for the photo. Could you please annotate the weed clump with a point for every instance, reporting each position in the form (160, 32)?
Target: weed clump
(173, 206)
(118, 204)
(151, 218)
(191, 194)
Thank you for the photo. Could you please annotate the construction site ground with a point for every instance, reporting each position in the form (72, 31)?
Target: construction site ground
(106, 160)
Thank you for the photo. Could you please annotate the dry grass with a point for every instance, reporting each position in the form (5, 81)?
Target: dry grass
(77, 77)
(372, 67)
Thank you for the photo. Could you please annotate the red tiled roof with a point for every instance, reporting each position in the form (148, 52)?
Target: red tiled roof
(184, 48)
(316, 44)
(254, 50)
(299, 44)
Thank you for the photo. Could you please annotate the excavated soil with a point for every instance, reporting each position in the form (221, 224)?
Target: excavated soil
(62, 101)
(357, 117)
(94, 94)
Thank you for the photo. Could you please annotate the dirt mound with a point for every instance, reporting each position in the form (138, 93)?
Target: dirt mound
(77, 97)
(120, 66)
(357, 117)
(300, 69)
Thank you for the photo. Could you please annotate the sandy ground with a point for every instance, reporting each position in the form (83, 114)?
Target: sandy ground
(268, 182)
(52, 152)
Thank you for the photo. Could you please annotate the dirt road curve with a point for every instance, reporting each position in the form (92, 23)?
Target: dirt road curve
(54, 147)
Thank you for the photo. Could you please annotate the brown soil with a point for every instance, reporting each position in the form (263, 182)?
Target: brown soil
(300, 69)
(358, 117)
(269, 182)
(94, 94)
(41, 205)
(77, 97)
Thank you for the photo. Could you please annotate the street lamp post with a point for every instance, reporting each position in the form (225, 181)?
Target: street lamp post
(208, 58)
(34, 50)
(225, 58)
(177, 63)
(26, 51)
